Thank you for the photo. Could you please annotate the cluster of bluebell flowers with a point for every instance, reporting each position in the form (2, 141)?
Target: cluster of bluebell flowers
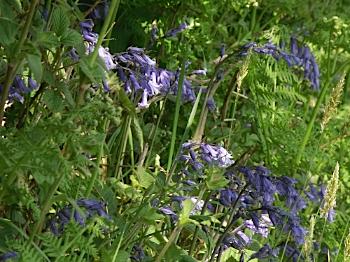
(89, 207)
(298, 56)
(8, 255)
(19, 88)
(141, 77)
(198, 155)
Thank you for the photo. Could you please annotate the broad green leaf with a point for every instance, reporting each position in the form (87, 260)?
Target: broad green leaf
(126, 102)
(185, 212)
(53, 101)
(145, 179)
(34, 62)
(230, 255)
(215, 179)
(94, 72)
(137, 131)
(71, 38)
(60, 21)
(47, 39)
(8, 31)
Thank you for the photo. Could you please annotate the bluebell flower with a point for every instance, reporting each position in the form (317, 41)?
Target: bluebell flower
(211, 104)
(260, 225)
(8, 255)
(239, 240)
(200, 72)
(285, 187)
(293, 253)
(288, 222)
(262, 183)
(173, 32)
(222, 50)
(299, 56)
(264, 252)
(228, 197)
(197, 155)
(137, 253)
(142, 77)
(106, 57)
(91, 208)
(167, 210)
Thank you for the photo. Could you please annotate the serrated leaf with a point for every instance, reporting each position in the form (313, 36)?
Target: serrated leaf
(71, 38)
(94, 72)
(126, 102)
(60, 21)
(216, 179)
(53, 101)
(145, 179)
(8, 30)
(137, 130)
(187, 207)
(47, 39)
(34, 62)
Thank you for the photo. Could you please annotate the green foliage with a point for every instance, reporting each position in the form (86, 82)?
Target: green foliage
(68, 139)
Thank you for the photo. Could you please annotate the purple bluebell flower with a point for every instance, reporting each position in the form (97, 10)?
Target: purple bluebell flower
(299, 56)
(199, 154)
(91, 207)
(222, 50)
(167, 210)
(173, 32)
(106, 57)
(263, 184)
(285, 187)
(260, 226)
(8, 255)
(211, 104)
(239, 240)
(228, 197)
(288, 222)
(140, 74)
(200, 72)
(137, 253)
(154, 33)
(189, 182)
(265, 252)
(293, 253)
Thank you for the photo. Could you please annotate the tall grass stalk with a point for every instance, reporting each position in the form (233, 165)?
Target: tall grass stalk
(177, 112)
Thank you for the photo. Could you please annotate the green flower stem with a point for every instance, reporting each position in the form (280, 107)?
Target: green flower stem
(316, 108)
(12, 68)
(46, 206)
(171, 240)
(83, 86)
(177, 113)
(113, 9)
(194, 239)
(98, 160)
(122, 145)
